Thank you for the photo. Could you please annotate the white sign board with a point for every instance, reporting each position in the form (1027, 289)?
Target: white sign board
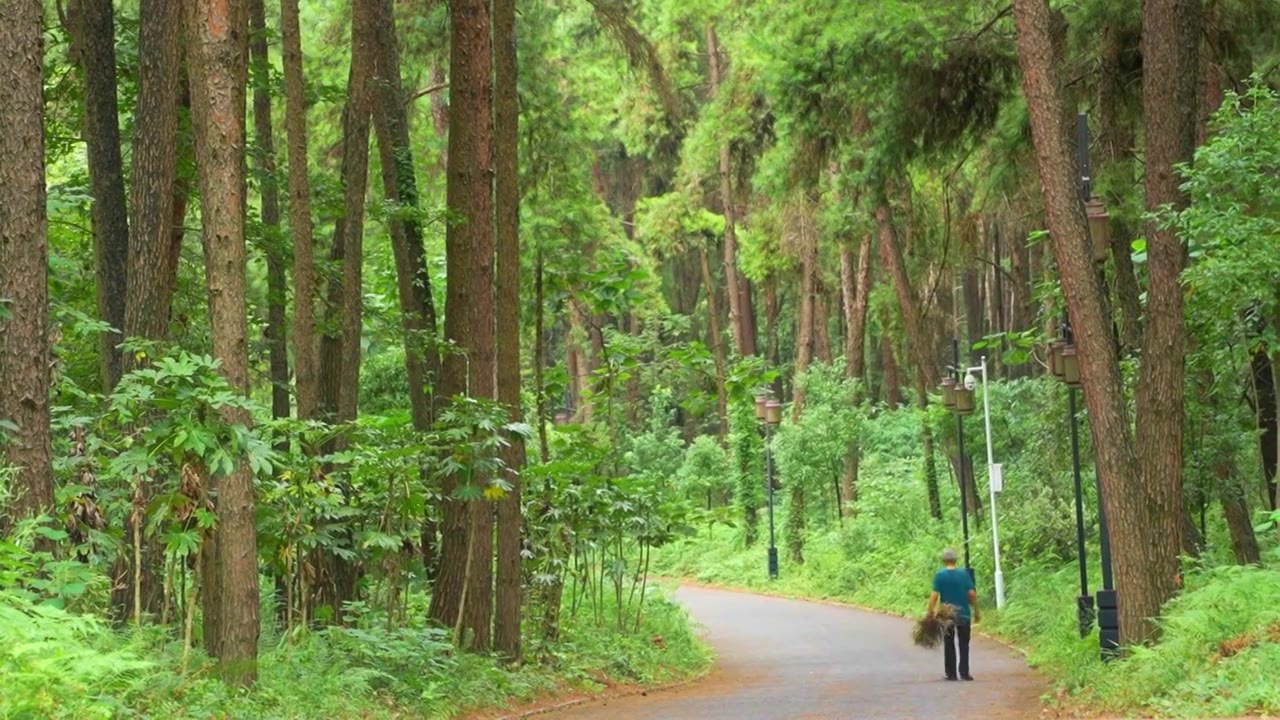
(997, 478)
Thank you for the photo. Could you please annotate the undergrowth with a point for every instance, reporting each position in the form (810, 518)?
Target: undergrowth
(55, 664)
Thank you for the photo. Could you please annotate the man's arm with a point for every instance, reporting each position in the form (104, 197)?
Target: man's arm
(933, 602)
(973, 600)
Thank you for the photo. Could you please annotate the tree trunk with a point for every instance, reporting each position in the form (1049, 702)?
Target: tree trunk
(305, 361)
(1244, 543)
(468, 310)
(1264, 394)
(400, 186)
(856, 286)
(217, 33)
(891, 256)
(1143, 512)
(506, 147)
(717, 348)
(821, 321)
(735, 284)
(1116, 144)
(808, 232)
(892, 383)
(94, 45)
(24, 259)
(275, 332)
(772, 310)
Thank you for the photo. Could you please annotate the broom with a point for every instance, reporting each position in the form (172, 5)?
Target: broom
(928, 631)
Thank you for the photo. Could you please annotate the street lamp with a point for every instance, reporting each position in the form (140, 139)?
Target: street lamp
(1100, 237)
(995, 473)
(1084, 603)
(769, 415)
(960, 392)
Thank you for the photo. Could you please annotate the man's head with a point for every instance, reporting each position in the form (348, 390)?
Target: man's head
(949, 557)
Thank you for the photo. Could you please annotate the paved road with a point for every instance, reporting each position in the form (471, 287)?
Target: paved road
(792, 660)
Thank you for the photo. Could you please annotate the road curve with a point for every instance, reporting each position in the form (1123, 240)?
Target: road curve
(782, 659)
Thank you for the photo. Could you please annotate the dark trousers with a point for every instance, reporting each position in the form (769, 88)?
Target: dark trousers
(957, 634)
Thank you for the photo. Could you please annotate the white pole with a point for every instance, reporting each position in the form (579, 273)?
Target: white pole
(991, 462)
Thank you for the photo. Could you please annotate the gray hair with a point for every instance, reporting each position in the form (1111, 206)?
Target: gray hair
(948, 555)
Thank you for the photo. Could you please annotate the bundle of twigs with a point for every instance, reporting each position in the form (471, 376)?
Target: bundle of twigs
(929, 630)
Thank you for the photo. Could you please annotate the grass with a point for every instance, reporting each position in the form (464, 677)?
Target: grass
(59, 665)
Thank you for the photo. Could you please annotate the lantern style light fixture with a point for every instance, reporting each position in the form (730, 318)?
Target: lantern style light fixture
(949, 392)
(1070, 366)
(964, 400)
(762, 402)
(773, 412)
(1099, 228)
(1055, 358)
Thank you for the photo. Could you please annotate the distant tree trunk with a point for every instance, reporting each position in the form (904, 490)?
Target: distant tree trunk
(24, 261)
(217, 33)
(735, 284)
(1143, 503)
(468, 315)
(506, 151)
(717, 347)
(772, 310)
(856, 286)
(417, 305)
(1264, 394)
(94, 45)
(275, 332)
(892, 384)
(1116, 144)
(305, 361)
(808, 236)
(157, 210)
(822, 322)
(1235, 506)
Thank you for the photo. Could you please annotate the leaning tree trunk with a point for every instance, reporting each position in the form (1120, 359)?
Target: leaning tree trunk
(305, 361)
(1143, 510)
(506, 147)
(24, 260)
(277, 343)
(94, 45)
(468, 315)
(808, 237)
(217, 33)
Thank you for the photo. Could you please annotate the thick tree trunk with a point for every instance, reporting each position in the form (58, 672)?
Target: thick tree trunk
(506, 147)
(1264, 394)
(275, 332)
(1235, 506)
(892, 382)
(891, 256)
(821, 321)
(24, 261)
(217, 33)
(1143, 512)
(305, 361)
(468, 313)
(94, 45)
(717, 348)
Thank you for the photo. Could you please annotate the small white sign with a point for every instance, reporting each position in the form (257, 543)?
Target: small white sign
(997, 478)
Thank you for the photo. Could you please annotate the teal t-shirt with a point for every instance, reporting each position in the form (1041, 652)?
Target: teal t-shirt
(953, 586)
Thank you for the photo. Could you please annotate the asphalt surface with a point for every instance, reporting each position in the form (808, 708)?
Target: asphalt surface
(784, 659)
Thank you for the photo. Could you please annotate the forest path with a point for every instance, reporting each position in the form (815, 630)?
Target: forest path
(781, 659)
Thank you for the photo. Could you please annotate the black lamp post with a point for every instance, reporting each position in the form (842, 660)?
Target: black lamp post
(1100, 242)
(959, 399)
(1058, 359)
(769, 415)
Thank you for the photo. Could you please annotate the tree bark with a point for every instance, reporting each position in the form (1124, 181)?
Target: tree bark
(94, 45)
(1143, 511)
(468, 312)
(506, 151)
(1264, 397)
(275, 332)
(305, 361)
(717, 347)
(735, 284)
(24, 261)
(772, 310)
(808, 239)
(856, 290)
(217, 35)
(1116, 142)
(821, 321)
(400, 186)
(891, 256)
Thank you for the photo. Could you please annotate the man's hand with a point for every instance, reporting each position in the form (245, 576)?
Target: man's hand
(977, 615)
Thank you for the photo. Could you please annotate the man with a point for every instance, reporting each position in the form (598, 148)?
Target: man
(954, 586)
